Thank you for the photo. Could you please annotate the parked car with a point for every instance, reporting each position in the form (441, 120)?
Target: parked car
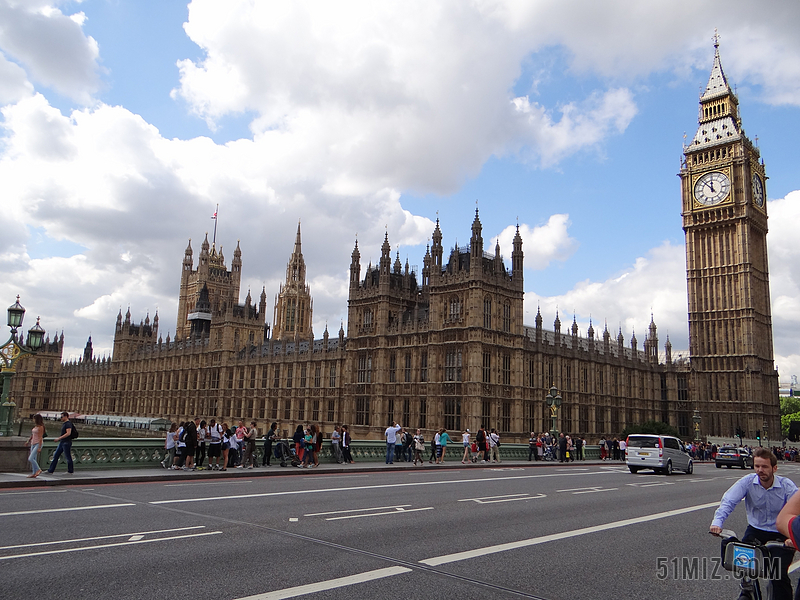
(731, 456)
(662, 453)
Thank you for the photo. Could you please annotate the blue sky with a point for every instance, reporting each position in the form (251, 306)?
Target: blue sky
(126, 122)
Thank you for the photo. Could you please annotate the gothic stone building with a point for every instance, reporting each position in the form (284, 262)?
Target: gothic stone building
(449, 348)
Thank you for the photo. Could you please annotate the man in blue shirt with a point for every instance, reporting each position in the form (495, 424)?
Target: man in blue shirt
(764, 495)
(391, 439)
(64, 444)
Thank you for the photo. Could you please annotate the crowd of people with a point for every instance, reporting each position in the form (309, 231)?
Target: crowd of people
(407, 447)
(188, 445)
(563, 448)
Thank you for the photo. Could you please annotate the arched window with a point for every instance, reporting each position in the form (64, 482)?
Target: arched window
(487, 312)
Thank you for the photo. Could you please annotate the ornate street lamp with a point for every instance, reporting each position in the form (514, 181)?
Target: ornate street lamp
(696, 420)
(553, 400)
(10, 352)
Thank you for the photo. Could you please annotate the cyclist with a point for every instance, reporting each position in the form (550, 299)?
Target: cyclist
(764, 495)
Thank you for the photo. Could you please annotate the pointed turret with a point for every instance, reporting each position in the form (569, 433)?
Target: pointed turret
(476, 242)
(236, 263)
(355, 267)
(88, 352)
(187, 258)
(397, 265)
(517, 258)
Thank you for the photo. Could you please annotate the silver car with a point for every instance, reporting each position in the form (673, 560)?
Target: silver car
(662, 453)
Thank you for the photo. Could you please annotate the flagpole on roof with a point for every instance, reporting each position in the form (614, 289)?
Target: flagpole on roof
(214, 239)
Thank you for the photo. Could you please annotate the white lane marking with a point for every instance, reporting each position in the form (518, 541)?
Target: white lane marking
(795, 566)
(135, 538)
(506, 498)
(459, 556)
(35, 492)
(207, 483)
(588, 490)
(331, 584)
(399, 511)
(102, 537)
(336, 512)
(648, 485)
(65, 550)
(55, 510)
(372, 487)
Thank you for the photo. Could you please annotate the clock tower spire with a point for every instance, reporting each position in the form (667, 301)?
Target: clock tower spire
(734, 382)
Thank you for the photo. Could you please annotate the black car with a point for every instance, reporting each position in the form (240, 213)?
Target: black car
(730, 456)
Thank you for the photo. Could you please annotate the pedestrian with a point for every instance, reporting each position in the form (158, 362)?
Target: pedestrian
(436, 440)
(419, 447)
(562, 447)
(408, 445)
(299, 441)
(190, 439)
(391, 438)
(200, 452)
(226, 446)
(169, 446)
(214, 445)
(494, 445)
(317, 443)
(310, 440)
(623, 448)
(64, 444)
(532, 447)
(336, 445)
(346, 454)
(603, 448)
(480, 437)
(269, 439)
(250, 435)
(444, 439)
(35, 442)
(433, 448)
(467, 453)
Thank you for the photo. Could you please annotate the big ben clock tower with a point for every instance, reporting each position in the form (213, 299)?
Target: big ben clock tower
(733, 381)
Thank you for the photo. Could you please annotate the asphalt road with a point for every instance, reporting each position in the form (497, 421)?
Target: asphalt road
(556, 533)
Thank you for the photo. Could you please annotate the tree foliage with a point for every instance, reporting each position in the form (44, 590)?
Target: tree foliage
(789, 405)
(786, 420)
(655, 427)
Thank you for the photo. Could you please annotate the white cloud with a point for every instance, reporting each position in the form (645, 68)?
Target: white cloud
(542, 244)
(51, 46)
(654, 283)
(784, 279)
(14, 84)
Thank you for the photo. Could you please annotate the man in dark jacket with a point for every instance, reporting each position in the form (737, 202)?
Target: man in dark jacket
(562, 447)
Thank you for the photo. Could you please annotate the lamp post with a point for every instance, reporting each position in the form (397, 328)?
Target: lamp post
(10, 352)
(696, 418)
(766, 433)
(553, 400)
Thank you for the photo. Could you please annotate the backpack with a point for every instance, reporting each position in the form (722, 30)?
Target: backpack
(73, 434)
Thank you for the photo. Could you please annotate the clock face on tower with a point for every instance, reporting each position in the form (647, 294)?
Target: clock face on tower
(758, 191)
(712, 188)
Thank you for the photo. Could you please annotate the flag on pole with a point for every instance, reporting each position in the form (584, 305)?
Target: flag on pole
(214, 216)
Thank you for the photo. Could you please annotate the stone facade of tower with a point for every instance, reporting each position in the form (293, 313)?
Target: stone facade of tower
(734, 382)
(293, 305)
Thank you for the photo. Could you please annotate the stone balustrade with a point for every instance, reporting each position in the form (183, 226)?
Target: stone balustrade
(144, 452)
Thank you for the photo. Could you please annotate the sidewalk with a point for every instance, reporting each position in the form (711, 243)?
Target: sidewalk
(84, 476)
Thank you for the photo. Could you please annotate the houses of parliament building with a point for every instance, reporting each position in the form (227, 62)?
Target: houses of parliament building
(448, 347)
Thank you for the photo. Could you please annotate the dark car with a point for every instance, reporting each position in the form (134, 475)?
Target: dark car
(730, 456)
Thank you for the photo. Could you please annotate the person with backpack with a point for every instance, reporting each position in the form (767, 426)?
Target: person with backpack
(68, 433)
(169, 446)
(226, 445)
(215, 445)
(190, 439)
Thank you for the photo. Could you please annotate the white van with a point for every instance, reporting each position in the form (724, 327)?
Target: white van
(662, 453)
